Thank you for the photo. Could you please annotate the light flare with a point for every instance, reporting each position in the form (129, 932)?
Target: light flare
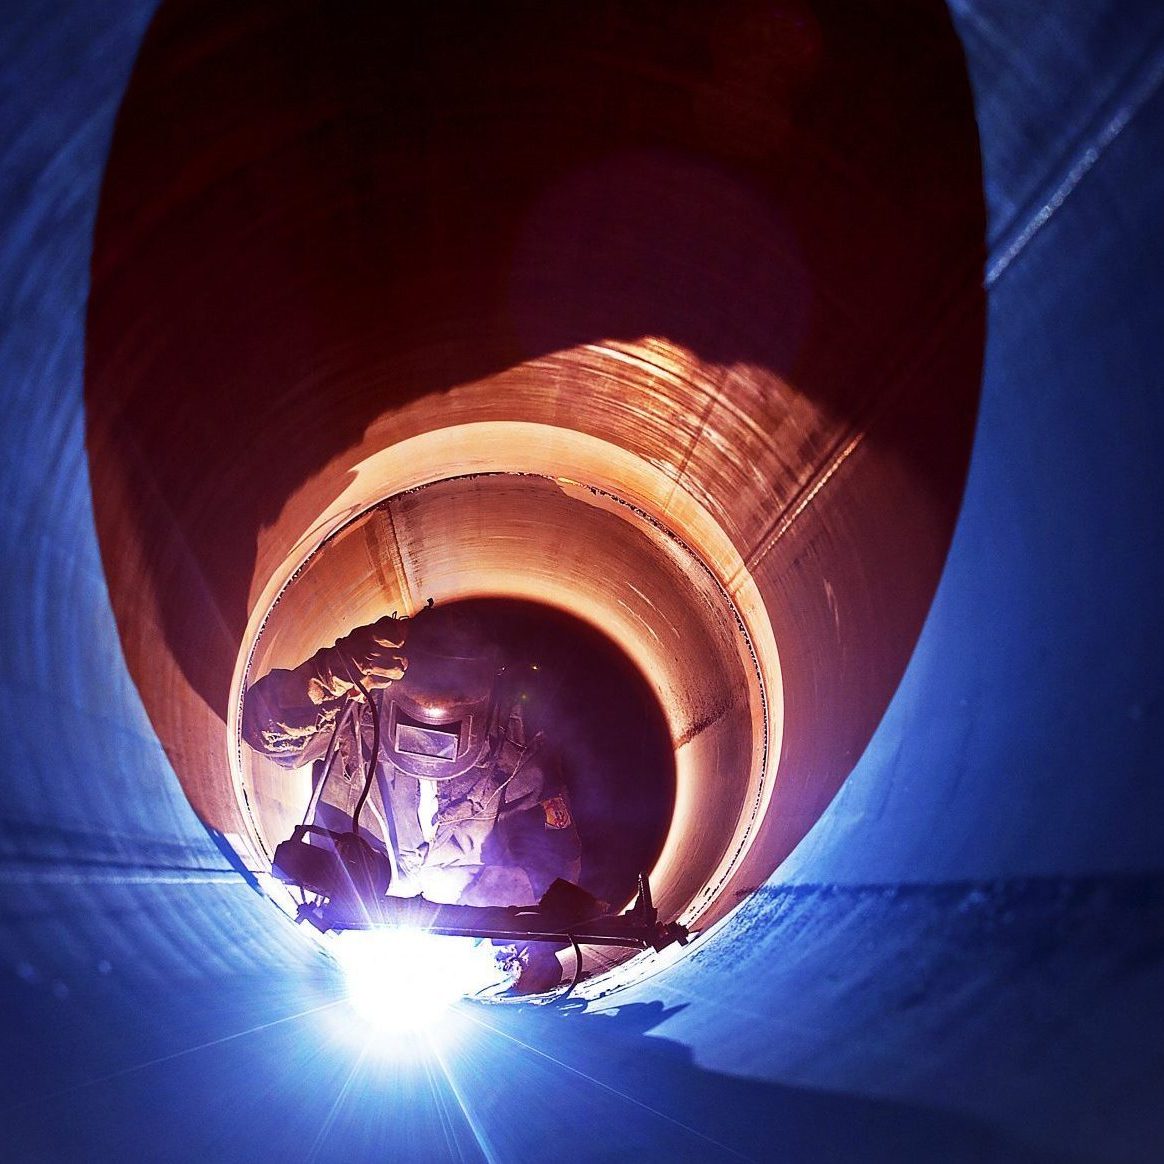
(400, 980)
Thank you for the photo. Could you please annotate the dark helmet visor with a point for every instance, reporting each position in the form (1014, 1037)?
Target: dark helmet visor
(439, 716)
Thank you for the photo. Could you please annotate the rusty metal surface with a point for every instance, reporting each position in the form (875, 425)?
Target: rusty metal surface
(760, 287)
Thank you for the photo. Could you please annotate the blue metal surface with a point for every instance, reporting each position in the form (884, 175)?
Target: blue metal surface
(99, 847)
(964, 960)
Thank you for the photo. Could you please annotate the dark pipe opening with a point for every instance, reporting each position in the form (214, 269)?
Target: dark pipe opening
(607, 729)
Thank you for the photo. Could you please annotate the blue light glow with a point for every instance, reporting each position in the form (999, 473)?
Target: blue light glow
(401, 980)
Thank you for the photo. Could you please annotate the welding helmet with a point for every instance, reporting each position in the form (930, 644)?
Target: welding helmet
(440, 715)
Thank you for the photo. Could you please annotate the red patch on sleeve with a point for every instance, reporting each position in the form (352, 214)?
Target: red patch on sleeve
(557, 812)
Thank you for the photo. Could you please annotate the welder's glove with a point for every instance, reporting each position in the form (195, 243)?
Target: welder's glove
(373, 654)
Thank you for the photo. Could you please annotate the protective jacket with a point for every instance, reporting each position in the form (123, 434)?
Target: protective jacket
(497, 835)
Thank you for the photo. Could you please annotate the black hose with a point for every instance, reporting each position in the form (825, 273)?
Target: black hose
(577, 971)
(371, 771)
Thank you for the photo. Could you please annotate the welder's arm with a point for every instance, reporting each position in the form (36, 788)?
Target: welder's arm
(288, 715)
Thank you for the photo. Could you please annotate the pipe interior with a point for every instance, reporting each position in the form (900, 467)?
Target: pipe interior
(572, 349)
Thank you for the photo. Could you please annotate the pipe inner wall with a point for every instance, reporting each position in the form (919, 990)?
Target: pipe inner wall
(699, 344)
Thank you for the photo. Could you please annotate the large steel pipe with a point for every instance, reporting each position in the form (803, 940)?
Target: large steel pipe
(688, 349)
(711, 249)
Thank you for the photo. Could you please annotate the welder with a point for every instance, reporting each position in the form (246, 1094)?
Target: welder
(469, 807)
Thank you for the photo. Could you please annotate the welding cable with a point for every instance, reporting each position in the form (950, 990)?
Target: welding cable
(329, 759)
(369, 775)
(577, 971)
